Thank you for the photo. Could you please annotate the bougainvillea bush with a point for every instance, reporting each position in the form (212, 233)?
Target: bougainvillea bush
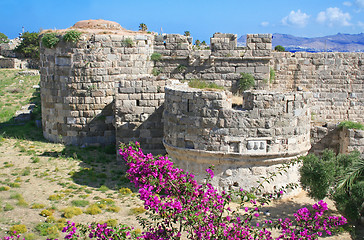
(180, 208)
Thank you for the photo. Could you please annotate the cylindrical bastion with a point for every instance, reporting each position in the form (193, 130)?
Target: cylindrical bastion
(244, 143)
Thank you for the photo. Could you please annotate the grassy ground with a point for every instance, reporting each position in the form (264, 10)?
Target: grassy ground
(43, 185)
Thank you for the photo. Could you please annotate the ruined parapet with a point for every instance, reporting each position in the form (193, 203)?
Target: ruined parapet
(201, 129)
(221, 64)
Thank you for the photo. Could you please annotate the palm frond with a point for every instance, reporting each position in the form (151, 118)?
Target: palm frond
(356, 170)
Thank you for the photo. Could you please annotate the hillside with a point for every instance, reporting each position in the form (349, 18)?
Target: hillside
(334, 43)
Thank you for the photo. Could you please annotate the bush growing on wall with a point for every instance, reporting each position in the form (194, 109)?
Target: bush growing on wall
(156, 57)
(72, 36)
(50, 40)
(29, 45)
(279, 48)
(245, 82)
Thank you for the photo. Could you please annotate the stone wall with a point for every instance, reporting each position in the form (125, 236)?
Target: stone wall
(351, 140)
(77, 91)
(335, 79)
(201, 128)
(6, 62)
(222, 64)
(105, 88)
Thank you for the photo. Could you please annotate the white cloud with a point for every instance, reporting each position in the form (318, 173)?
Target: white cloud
(359, 3)
(334, 16)
(348, 4)
(296, 18)
(264, 24)
(361, 24)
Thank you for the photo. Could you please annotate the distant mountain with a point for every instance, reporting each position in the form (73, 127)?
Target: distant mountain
(334, 43)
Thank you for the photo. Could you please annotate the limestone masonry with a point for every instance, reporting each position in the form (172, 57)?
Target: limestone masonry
(114, 85)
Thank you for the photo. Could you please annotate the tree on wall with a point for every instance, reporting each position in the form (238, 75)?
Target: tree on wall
(143, 27)
(29, 45)
(187, 33)
(3, 38)
(279, 48)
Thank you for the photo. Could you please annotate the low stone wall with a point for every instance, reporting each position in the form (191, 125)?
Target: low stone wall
(13, 63)
(351, 140)
(201, 128)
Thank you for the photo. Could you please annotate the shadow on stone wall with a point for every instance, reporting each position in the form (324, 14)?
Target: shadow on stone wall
(149, 134)
(325, 137)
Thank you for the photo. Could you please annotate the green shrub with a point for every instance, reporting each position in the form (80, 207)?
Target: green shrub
(48, 229)
(181, 68)
(137, 210)
(50, 40)
(351, 125)
(337, 177)
(111, 222)
(4, 188)
(70, 212)
(72, 36)
(94, 209)
(156, 57)
(201, 84)
(156, 71)
(279, 48)
(14, 185)
(245, 82)
(80, 203)
(3, 38)
(127, 42)
(56, 197)
(125, 191)
(29, 45)
(37, 206)
(103, 188)
(8, 207)
(17, 229)
(272, 75)
(46, 213)
(113, 209)
(30, 236)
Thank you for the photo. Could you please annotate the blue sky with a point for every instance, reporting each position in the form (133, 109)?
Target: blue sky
(308, 18)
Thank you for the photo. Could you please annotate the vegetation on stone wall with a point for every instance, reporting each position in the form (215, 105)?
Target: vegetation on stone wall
(202, 84)
(187, 33)
(29, 45)
(340, 178)
(245, 82)
(156, 57)
(272, 75)
(279, 48)
(127, 42)
(72, 36)
(351, 125)
(181, 68)
(156, 71)
(50, 40)
(3, 38)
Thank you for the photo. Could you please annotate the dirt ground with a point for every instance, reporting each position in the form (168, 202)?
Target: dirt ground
(50, 174)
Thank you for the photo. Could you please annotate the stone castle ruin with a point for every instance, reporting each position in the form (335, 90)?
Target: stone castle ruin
(116, 85)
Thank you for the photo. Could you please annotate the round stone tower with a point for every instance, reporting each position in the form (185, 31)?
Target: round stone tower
(244, 143)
